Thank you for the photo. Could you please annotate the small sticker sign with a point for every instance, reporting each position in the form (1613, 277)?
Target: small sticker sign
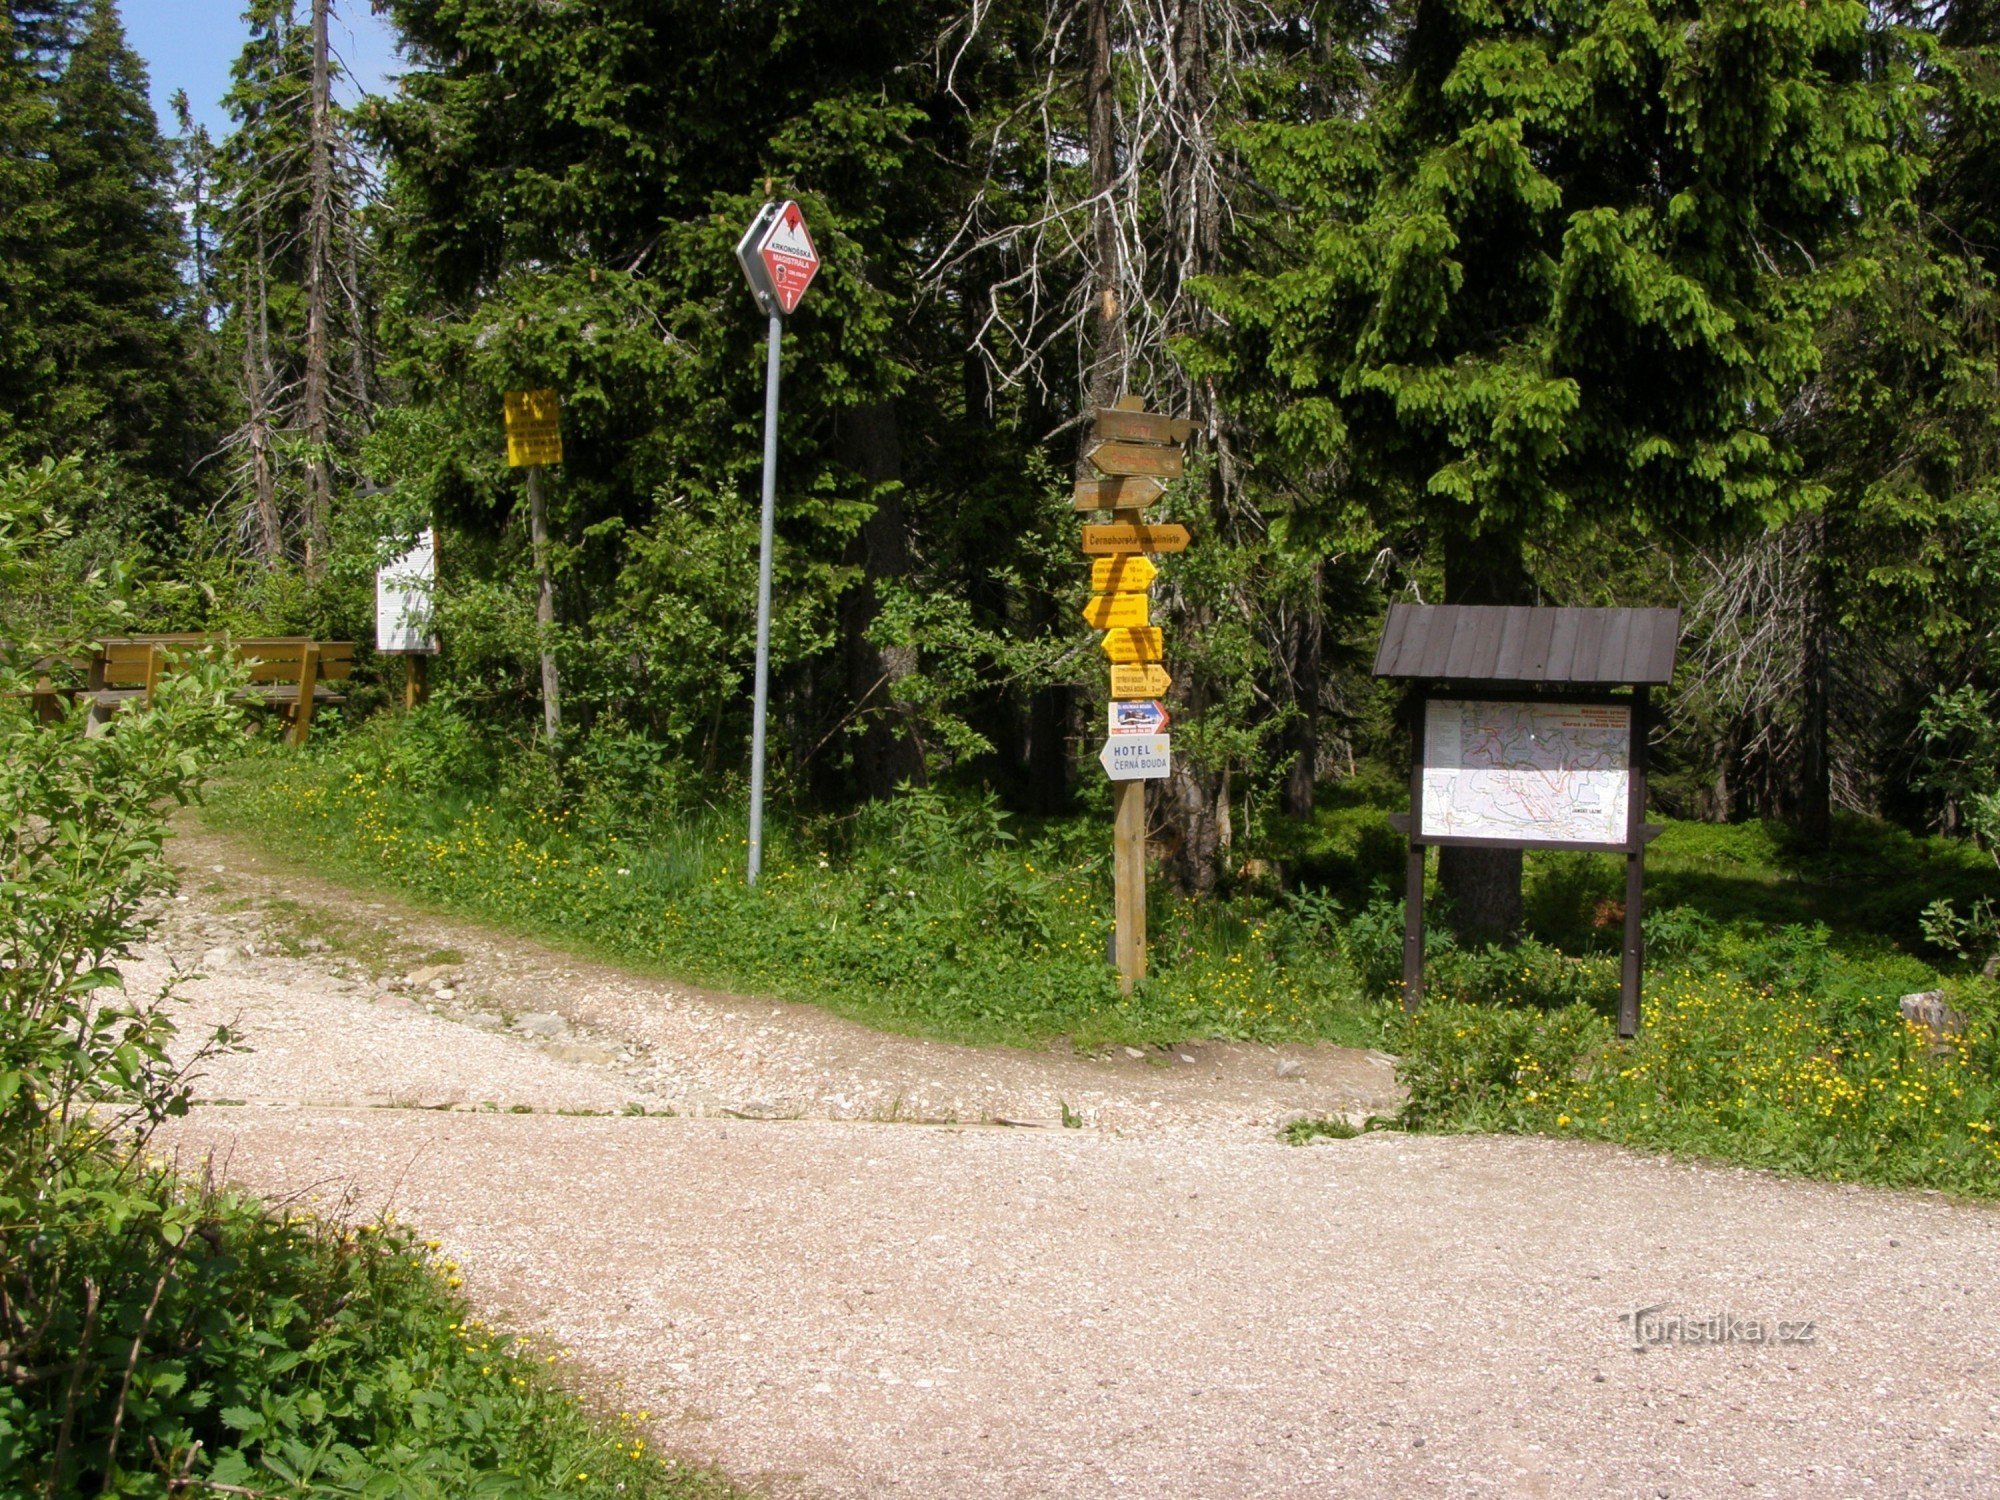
(1139, 757)
(534, 428)
(1148, 716)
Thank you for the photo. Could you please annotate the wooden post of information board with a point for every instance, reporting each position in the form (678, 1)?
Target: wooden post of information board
(1635, 874)
(1413, 873)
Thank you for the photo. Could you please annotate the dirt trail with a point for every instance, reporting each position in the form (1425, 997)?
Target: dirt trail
(1168, 1302)
(670, 1045)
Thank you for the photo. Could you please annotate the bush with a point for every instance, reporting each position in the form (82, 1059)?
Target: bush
(161, 1339)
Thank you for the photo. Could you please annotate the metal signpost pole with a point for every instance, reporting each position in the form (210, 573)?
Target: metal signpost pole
(764, 599)
(779, 261)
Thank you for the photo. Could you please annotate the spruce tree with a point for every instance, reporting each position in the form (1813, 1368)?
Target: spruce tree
(119, 375)
(1564, 273)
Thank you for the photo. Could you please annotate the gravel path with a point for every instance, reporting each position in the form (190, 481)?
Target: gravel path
(1169, 1303)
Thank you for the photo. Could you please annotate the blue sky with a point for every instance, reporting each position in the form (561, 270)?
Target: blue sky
(190, 44)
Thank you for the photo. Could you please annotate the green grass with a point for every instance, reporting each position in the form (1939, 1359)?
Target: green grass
(934, 919)
(283, 1354)
(1833, 1084)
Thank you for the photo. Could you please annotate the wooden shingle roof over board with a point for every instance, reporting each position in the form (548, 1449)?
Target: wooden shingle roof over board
(1529, 645)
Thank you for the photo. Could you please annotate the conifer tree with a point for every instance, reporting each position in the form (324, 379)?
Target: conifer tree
(1564, 273)
(115, 374)
(292, 267)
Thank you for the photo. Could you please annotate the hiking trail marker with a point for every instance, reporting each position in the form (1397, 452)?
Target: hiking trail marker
(779, 261)
(1136, 452)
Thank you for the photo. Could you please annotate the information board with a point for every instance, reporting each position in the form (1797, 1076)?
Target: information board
(1527, 773)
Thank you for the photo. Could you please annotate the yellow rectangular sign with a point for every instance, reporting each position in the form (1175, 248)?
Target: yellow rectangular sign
(1140, 682)
(534, 428)
(1114, 611)
(1122, 575)
(1132, 646)
(1102, 541)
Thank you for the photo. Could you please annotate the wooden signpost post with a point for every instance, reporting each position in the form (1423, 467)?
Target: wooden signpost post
(1136, 452)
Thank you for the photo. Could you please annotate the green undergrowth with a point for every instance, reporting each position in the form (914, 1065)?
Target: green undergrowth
(219, 1347)
(929, 914)
(1834, 1083)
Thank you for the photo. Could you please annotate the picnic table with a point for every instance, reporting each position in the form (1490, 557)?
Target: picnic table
(291, 675)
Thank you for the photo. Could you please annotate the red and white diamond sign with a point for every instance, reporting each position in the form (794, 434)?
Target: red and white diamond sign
(783, 251)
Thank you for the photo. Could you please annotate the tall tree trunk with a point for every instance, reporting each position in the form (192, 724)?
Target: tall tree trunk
(1302, 739)
(1107, 366)
(319, 298)
(889, 753)
(267, 523)
(1482, 886)
(1815, 789)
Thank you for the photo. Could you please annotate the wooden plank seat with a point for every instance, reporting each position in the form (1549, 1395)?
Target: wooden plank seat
(292, 675)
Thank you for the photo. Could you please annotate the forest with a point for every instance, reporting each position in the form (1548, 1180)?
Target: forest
(1642, 303)
(1633, 303)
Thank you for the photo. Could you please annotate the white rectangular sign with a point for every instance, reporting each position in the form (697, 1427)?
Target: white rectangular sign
(403, 588)
(1513, 772)
(1137, 757)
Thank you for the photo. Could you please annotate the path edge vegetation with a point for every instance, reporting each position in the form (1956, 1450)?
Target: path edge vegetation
(1766, 1042)
(160, 1333)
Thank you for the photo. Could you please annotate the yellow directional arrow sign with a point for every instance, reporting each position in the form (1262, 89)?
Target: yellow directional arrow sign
(1136, 458)
(1102, 541)
(1133, 646)
(1114, 611)
(1133, 492)
(1122, 575)
(1139, 682)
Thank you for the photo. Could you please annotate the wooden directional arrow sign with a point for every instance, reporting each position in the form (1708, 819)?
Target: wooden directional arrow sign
(1113, 611)
(1132, 646)
(1136, 458)
(1103, 541)
(1122, 575)
(1137, 757)
(1140, 427)
(1149, 681)
(1134, 492)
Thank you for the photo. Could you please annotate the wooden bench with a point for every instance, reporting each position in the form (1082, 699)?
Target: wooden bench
(292, 675)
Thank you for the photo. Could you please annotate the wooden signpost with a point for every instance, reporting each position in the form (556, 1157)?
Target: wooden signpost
(1137, 452)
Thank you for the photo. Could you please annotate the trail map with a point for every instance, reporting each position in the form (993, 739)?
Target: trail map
(1533, 772)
